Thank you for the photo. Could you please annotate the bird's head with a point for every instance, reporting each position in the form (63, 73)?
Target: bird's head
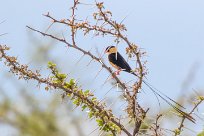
(111, 49)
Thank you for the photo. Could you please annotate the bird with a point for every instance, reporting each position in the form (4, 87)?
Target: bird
(119, 63)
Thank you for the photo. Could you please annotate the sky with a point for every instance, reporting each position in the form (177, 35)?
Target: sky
(170, 31)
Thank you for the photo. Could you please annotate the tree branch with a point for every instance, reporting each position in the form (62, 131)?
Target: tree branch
(98, 108)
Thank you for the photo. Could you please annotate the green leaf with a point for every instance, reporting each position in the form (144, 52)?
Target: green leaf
(86, 92)
(177, 131)
(56, 81)
(94, 99)
(76, 102)
(72, 82)
(67, 85)
(61, 76)
(51, 64)
(201, 98)
(90, 114)
(100, 122)
(84, 107)
(201, 133)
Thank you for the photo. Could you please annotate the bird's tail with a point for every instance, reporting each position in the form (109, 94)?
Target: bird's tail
(167, 99)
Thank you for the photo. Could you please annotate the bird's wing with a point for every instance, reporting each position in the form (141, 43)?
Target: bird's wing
(118, 60)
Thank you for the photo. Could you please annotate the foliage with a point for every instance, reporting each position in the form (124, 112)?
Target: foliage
(103, 25)
(35, 121)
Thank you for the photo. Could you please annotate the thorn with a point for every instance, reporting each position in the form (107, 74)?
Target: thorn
(109, 90)
(129, 81)
(89, 62)
(98, 73)
(80, 59)
(101, 131)
(93, 131)
(63, 36)
(3, 34)
(106, 80)
(49, 27)
(74, 108)
(103, 99)
(101, 61)
(93, 91)
(2, 21)
(117, 86)
(113, 103)
(123, 19)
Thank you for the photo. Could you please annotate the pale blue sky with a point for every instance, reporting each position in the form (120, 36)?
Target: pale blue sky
(171, 31)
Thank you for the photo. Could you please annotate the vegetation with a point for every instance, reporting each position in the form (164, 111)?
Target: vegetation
(43, 122)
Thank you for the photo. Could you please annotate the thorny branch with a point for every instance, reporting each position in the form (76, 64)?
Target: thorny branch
(86, 53)
(138, 114)
(108, 27)
(104, 25)
(132, 47)
(115, 31)
(133, 105)
(24, 73)
(72, 20)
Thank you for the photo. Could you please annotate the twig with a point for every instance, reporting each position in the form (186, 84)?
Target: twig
(84, 52)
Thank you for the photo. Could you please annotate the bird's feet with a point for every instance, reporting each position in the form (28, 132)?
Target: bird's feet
(118, 72)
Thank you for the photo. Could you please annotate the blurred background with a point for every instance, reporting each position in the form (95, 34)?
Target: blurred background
(171, 32)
